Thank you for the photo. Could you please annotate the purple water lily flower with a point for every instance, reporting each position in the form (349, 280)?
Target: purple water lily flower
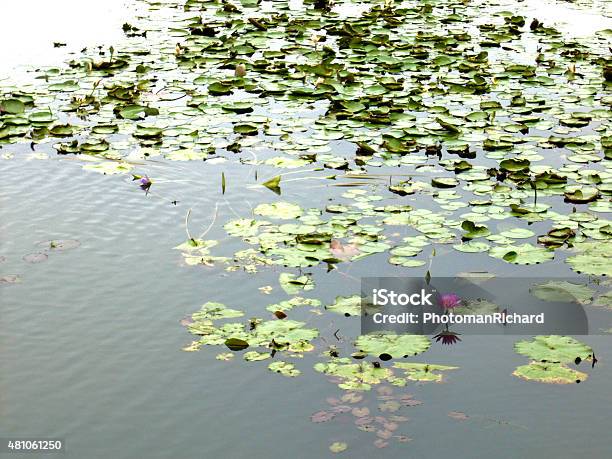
(144, 182)
(450, 301)
(447, 337)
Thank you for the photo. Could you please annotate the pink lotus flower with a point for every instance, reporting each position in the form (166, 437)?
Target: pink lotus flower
(450, 301)
(342, 251)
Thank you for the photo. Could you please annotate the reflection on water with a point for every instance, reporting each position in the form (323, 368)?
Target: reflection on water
(572, 19)
(30, 28)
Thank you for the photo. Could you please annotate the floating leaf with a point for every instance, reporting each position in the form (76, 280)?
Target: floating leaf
(284, 368)
(280, 209)
(472, 230)
(12, 106)
(594, 258)
(525, 254)
(293, 284)
(395, 346)
(225, 356)
(563, 291)
(338, 447)
(215, 311)
(354, 376)
(554, 348)
(346, 305)
(254, 356)
(236, 344)
(549, 373)
(423, 371)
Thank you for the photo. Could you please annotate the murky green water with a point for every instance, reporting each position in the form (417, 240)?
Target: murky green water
(90, 339)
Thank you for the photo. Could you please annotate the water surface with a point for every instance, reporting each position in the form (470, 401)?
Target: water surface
(90, 340)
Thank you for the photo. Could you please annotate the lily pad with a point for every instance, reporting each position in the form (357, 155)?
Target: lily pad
(563, 291)
(338, 447)
(549, 373)
(354, 376)
(293, 284)
(216, 311)
(346, 305)
(525, 254)
(554, 349)
(423, 371)
(394, 346)
(282, 210)
(594, 258)
(284, 368)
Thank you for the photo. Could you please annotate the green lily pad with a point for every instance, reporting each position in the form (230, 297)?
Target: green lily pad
(354, 376)
(225, 356)
(293, 284)
(288, 305)
(444, 182)
(472, 247)
(12, 106)
(423, 371)
(517, 233)
(254, 356)
(515, 165)
(525, 254)
(109, 168)
(594, 258)
(406, 262)
(476, 307)
(346, 305)
(238, 107)
(473, 231)
(186, 154)
(555, 349)
(136, 112)
(394, 346)
(246, 129)
(282, 210)
(563, 291)
(549, 373)
(582, 195)
(284, 368)
(215, 311)
(42, 117)
(236, 344)
(338, 447)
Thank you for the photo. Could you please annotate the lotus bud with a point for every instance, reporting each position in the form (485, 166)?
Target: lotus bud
(240, 71)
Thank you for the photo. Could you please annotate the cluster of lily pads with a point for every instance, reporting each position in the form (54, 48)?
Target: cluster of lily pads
(426, 87)
(279, 338)
(550, 358)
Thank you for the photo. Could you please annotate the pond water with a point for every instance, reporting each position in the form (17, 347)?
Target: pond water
(91, 337)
